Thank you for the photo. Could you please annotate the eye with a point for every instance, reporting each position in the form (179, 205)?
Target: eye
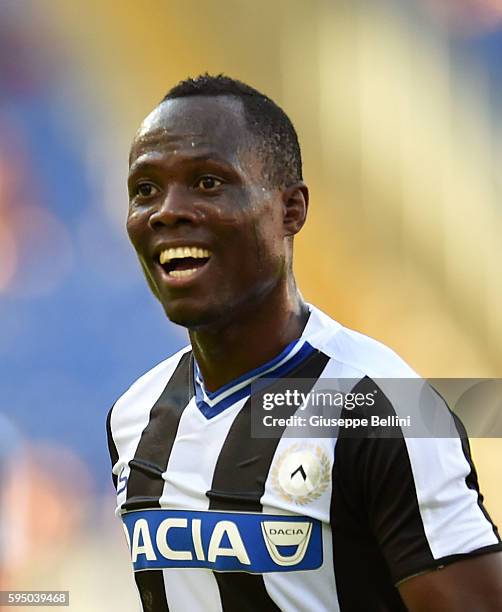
(145, 189)
(208, 183)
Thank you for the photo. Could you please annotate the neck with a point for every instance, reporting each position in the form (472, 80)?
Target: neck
(250, 338)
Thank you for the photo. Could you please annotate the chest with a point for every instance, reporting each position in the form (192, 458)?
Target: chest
(216, 464)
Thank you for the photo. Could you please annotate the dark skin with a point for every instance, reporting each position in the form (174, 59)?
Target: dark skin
(471, 585)
(195, 180)
(193, 158)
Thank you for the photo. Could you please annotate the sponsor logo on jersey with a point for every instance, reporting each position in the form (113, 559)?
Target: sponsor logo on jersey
(222, 541)
(279, 535)
(301, 473)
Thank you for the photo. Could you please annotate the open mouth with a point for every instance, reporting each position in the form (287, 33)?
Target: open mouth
(183, 262)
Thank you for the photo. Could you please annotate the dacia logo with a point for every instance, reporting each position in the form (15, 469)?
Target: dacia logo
(222, 541)
(281, 534)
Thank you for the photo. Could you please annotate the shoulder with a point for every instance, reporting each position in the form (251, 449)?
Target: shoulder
(356, 353)
(144, 392)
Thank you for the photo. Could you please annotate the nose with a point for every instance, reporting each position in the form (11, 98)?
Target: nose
(176, 208)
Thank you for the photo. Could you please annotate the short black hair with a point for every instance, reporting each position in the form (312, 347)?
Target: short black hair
(277, 140)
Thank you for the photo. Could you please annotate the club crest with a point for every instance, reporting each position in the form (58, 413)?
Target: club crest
(301, 473)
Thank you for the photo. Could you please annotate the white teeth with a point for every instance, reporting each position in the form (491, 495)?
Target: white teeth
(182, 273)
(181, 252)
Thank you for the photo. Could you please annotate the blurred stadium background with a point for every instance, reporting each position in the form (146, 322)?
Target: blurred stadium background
(397, 106)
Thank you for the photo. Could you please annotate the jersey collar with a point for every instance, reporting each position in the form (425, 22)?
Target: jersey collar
(213, 403)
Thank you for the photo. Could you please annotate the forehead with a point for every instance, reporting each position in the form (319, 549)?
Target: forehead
(213, 124)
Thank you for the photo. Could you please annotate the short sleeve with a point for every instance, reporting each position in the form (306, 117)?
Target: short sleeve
(421, 499)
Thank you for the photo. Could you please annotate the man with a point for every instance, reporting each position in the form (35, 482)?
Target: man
(217, 519)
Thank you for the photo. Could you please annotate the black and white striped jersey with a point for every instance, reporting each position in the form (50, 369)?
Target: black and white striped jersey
(218, 520)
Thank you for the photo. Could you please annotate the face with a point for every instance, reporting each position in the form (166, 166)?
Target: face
(209, 234)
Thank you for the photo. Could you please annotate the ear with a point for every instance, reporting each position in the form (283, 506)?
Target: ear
(295, 204)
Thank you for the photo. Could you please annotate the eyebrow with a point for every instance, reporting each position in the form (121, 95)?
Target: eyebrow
(154, 163)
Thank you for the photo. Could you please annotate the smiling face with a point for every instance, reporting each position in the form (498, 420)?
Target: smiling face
(209, 233)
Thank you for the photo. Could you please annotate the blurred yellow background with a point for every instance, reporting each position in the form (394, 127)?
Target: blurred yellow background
(394, 103)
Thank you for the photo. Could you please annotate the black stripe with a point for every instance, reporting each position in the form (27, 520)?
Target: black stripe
(241, 592)
(239, 483)
(112, 449)
(151, 590)
(377, 529)
(145, 484)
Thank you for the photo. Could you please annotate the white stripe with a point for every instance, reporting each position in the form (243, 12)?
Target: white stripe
(191, 590)
(316, 590)
(453, 521)
(131, 414)
(195, 452)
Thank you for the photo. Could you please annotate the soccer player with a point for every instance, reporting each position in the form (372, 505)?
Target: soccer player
(215, 518)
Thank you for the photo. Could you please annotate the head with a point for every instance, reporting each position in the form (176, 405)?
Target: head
(215, 197)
